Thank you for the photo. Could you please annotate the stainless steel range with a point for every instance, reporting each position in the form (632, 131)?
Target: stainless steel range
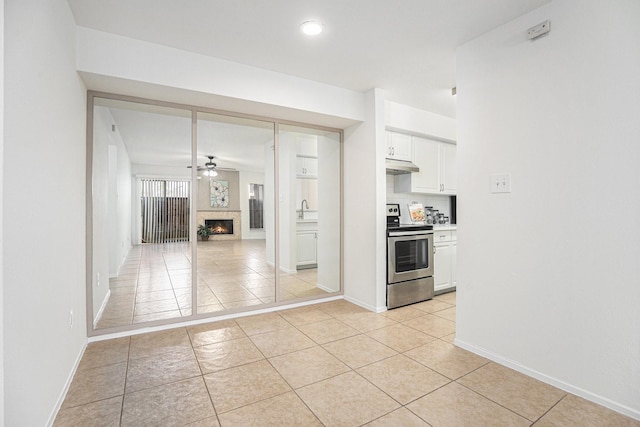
(409, 261)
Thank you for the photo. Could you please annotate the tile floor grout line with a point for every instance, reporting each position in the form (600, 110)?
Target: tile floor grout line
(491, 400)
(124, 388)
(347, 370)
(549, 410)
(213, 404)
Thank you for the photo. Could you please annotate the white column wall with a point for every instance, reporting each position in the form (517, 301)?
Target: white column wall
(2, 47)
(328, 242)
(364, 200)
(287, 214)
(43, 207)
(548, 274)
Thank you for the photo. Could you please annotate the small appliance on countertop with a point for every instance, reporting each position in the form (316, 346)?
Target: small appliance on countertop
(393, 215)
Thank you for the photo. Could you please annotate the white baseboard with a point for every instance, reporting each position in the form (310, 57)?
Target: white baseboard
(364, 305)
(148, 329)
(569, 388)
(324, 288)
(65, 390)
(102, 307)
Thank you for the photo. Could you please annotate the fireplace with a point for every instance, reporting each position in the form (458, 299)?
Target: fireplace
(229, 220)
(220, 226)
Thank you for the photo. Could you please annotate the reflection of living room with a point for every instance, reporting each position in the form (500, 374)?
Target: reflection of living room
(143, 178)
(212, 207)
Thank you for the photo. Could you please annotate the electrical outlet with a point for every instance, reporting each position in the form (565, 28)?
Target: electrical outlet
(539, 30)
(501, 183)
(70, 318)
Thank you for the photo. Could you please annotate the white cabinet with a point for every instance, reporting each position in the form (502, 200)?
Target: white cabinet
(448, 171)
(307, 248)
(437, 163)
(306, 166)
(307, 145)
(444, 260)
(399, 146)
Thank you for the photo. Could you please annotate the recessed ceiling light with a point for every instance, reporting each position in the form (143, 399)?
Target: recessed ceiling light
(311, 28)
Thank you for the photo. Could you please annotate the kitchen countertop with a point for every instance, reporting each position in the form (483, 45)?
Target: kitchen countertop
(445, 227)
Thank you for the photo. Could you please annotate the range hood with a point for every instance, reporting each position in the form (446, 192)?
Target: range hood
(399, 167)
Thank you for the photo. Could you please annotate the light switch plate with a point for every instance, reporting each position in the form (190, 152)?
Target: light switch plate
(501, 183)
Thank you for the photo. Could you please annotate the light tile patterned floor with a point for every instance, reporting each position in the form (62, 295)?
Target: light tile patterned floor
(155, 281)
(331, 364)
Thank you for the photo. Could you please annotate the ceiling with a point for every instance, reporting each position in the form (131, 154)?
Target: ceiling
(406, 48)
(161, 136)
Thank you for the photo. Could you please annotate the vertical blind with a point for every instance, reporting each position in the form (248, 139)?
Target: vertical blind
(165, 211)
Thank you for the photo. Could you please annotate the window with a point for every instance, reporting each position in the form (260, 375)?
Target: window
(256, 194)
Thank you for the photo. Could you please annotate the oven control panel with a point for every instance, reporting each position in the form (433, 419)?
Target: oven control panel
(393, 209)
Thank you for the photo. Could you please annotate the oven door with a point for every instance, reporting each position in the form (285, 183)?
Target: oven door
(409, 255)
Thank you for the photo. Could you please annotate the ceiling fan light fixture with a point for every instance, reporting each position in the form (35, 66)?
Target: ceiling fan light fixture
(311, 28)
(210, 173)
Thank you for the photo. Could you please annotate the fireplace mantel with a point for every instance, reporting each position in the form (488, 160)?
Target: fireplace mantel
(219, 214)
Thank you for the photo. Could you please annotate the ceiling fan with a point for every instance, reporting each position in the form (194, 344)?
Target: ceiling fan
(210, 168)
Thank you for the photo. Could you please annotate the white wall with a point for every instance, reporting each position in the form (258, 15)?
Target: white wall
(287, 212)
(171, 74)
(404, 118)
(101, 232)
(112, 205)
(364, 200)
(44, 275)
(548, 274)
(124, 186)
(2, 46)
(329, 210)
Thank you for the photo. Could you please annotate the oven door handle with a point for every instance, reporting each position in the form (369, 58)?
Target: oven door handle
(410, 233)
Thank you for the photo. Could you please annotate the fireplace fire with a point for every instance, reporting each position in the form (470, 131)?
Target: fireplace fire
(219, 226)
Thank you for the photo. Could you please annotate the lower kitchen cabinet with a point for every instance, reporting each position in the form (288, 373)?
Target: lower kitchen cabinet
(307, 248)
(444, 260)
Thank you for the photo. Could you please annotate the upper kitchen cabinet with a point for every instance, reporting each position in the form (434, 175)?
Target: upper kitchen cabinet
(306, 167)
(306, 156)
(306, 146)
(437, 163)
(399, 146)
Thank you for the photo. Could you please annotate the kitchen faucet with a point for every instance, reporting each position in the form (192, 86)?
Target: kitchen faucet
(301, 216)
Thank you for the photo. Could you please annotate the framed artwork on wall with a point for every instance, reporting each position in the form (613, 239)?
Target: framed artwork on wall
(219, 194)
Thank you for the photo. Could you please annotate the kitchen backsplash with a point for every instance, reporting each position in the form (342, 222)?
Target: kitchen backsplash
(441, 203)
